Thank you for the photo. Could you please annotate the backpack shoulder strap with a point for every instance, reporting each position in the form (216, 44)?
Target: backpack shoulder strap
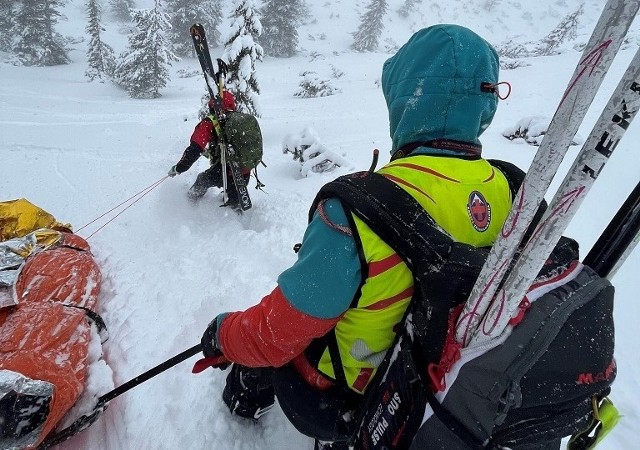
(515, 177)
(512, 173)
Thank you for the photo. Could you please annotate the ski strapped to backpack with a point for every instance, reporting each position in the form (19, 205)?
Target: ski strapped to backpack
(489, 309)
(215, 86)
(536, 396)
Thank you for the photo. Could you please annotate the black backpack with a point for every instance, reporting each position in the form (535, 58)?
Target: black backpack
(535, 388)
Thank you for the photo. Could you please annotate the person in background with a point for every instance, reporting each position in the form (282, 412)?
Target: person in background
(204, 141)
(328, 323)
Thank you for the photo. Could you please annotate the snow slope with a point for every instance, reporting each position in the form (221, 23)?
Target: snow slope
(78, 149)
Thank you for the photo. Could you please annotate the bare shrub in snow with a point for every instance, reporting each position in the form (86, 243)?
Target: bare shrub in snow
(335, 72)
(565, 31)
(532, 130)
(508, 63)
(312, 154)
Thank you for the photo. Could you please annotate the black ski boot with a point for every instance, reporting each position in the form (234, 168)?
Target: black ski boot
(249, 391)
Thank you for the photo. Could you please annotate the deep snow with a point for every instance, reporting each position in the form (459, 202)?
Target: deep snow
(78, 149)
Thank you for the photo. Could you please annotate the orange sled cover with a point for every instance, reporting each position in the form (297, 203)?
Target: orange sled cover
(44, 339)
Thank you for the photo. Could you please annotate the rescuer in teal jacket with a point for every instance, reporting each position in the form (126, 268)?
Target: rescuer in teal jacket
(440, 89)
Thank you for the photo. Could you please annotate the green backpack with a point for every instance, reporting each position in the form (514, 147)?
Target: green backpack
(242, 133)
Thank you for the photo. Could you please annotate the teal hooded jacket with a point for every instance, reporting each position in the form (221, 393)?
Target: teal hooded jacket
(432, 87)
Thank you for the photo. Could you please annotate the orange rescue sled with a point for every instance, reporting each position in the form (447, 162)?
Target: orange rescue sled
(44, 333)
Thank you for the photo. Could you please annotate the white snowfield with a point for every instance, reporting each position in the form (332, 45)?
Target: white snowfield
(77, 149)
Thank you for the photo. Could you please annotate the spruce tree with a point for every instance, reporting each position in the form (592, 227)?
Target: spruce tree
(183, 14)
(121, 9)
(38, 44)
(100, 56)
(280, 20)
(565, 30)
(366, 38)
(241, 53)
(215, 17)
(7, 21)
(143, 69)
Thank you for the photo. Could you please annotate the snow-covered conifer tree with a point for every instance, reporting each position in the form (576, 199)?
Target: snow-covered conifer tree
(143, 69)
(120, 9)
(7, 21)
(366, 38)
(38, 44)
(241, 53)
(565, 30)
(100, 56)
(215, 18)
(183, 14)
(280, 20)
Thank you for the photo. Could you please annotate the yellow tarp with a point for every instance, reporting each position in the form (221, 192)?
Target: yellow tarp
(20, 217)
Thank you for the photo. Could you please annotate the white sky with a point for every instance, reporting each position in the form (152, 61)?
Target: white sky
(78, 149)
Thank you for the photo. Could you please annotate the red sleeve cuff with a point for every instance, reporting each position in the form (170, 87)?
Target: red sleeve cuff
(271, 333)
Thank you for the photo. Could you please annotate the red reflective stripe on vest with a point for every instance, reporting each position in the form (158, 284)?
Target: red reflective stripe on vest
(412, 186)
(426, 170)
(390, 301)
(377, 267)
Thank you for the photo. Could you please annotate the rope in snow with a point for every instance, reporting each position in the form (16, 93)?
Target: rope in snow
(141, 194)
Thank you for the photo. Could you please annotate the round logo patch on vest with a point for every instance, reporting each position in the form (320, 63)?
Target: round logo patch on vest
(479, 211)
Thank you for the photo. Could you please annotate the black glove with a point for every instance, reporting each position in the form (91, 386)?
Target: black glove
(213, 355)
(209, 339)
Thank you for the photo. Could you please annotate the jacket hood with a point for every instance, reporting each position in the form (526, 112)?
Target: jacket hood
(432, 86)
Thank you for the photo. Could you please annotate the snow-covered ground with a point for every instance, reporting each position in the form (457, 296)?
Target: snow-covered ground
(78, 149)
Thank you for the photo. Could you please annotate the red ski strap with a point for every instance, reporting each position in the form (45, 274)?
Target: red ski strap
(217, 362)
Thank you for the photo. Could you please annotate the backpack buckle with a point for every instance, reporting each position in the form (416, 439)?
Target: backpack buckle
(605, 418)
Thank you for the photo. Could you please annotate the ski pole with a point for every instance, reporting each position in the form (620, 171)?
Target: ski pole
(149, 374)
(618, 239)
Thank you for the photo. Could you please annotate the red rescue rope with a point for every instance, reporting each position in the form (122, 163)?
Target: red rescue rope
(141, 194)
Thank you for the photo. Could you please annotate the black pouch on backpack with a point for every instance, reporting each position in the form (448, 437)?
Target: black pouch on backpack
(397, 396)
(396, 404)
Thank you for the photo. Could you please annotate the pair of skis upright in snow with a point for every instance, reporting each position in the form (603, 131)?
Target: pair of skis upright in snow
(215, 86)
(503, 282)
